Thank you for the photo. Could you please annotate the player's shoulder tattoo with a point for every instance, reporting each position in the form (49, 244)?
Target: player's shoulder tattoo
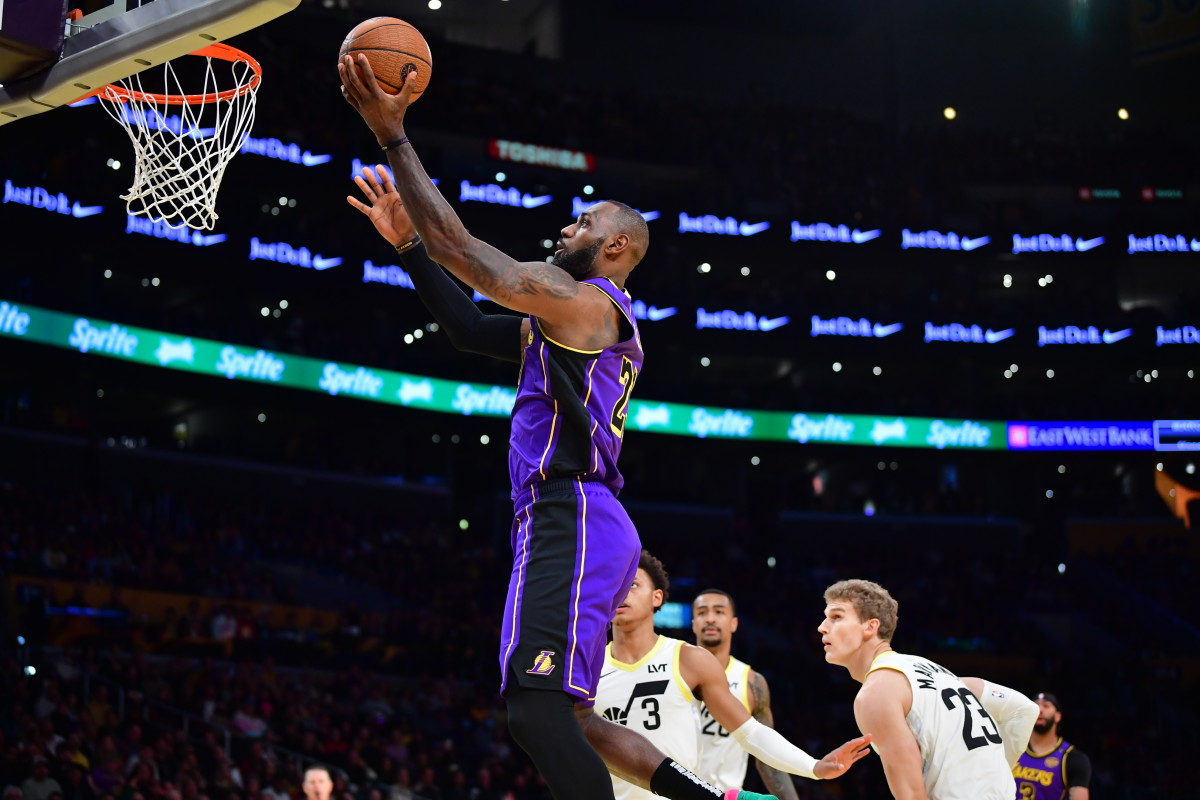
(760, 694)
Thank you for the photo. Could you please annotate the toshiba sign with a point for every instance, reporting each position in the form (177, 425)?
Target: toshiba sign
(536, 154)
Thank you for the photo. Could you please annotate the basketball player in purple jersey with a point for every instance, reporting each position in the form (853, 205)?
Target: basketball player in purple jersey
(575, 551)
(1051, 768)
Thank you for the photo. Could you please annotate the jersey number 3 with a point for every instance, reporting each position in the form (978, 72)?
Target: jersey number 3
(620, 410)
(987, 727)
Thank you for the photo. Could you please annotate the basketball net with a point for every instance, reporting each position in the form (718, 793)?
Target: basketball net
(183, 141)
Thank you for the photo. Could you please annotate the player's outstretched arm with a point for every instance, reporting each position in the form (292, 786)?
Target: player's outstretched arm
(778, 782)
(703, 673)
(468, 328)
(1014, 713)
(879, 708)
(531, 287)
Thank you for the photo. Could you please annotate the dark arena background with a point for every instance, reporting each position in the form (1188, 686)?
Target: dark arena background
(921, 305)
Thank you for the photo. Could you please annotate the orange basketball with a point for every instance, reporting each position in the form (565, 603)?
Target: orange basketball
(394, 49)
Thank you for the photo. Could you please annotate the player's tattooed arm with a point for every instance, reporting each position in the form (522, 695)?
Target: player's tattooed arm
(778, 783)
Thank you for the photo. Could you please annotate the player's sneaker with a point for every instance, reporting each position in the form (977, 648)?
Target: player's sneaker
(738, 794)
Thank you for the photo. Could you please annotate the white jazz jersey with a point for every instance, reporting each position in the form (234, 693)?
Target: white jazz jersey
(722, 759)
(651, 698)
(962, 755)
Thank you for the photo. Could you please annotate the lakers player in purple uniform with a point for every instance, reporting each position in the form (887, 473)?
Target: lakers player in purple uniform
(1051, 768)
(575, 551)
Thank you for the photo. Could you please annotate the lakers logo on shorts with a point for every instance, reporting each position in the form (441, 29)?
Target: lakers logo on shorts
(542, 665)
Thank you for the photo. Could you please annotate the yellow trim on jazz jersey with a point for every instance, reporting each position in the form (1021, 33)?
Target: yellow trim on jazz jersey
(872, 668)
(608, 656)
(684, 689)
(743, 683)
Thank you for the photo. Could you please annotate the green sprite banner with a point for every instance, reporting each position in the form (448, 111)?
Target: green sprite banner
(101, 337)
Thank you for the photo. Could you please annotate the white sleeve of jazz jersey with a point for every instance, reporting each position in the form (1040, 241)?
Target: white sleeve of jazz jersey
(1016, 715)
(769, 746)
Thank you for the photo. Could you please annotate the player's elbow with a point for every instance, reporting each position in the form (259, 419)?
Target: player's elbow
(462, 340)
(446, 247)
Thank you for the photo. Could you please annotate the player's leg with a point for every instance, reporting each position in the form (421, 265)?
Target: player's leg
(543, 723)
(544, 673)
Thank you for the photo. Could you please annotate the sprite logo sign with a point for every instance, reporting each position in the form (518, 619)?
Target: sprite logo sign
(164, 350)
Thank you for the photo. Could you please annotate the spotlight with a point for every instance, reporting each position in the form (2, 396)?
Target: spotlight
(949, 113)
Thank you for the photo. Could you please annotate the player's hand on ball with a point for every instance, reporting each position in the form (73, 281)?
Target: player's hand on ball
(383, 207)
(383, 112)
(837, 762)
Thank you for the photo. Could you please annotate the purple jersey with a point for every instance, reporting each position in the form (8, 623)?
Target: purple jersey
(569, 416)
(1042, 777)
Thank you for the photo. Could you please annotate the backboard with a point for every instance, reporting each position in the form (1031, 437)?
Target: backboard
(106, 45)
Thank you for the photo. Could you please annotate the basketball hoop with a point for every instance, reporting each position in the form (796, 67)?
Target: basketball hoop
(183, 142)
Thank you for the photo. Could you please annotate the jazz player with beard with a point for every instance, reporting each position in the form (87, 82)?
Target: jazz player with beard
(939, 737)
(651, 684)
(1051, 768)
(722, 760)
(575, 550)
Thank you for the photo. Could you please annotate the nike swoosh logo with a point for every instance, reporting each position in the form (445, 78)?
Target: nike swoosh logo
(765, 324)
(1083, 245)
(749, 229)
(971, 244)
(604, 675)
(84, 211)
(881, 331)
(992, 336)
(655, 314)
(534, 202)
(1116, 336)
(865, 236)
(309, 160)
(200, 240)
(325, 263)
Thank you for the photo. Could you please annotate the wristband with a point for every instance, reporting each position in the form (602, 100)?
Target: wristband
(394, 143)
(406, 246)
